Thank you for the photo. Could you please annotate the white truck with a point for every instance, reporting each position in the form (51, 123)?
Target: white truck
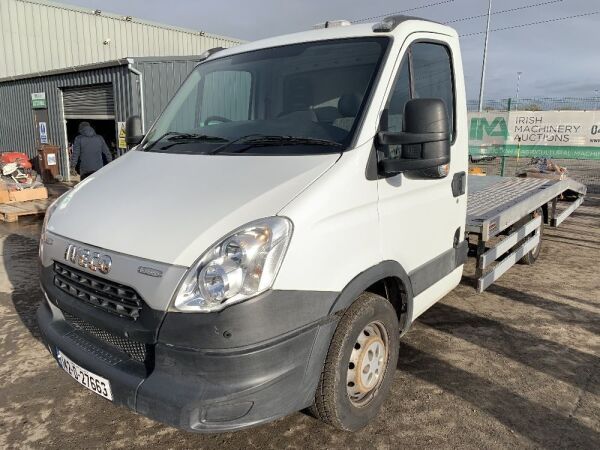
(298, 204)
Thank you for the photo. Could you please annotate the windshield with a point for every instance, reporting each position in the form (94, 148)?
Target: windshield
(301, 98)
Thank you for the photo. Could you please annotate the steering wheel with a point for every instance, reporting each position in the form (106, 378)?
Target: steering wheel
(299, 112)
(216, 119)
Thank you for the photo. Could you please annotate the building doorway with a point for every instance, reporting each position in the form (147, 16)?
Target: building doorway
(94, 104)
(105, 128)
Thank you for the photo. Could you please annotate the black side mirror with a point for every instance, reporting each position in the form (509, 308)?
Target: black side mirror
(425, 140)
(133, 130)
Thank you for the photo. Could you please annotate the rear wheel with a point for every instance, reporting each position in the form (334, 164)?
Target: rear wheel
(531, 257)
(360, 364)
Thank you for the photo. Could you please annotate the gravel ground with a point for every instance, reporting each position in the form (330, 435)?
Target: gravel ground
(517, 366)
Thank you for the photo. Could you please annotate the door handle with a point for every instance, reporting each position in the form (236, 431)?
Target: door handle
(459, 184)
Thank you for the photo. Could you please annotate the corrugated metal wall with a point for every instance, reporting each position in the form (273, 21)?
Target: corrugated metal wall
(227, 94)
(37, 36)
(161, 78)
(17, 128)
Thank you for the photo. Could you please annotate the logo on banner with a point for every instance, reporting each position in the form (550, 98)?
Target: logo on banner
(480, 127)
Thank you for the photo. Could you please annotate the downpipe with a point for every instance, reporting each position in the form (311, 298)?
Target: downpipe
(141, 81)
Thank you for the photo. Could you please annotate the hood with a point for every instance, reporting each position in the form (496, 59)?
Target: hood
(87, 131)
(171, 208)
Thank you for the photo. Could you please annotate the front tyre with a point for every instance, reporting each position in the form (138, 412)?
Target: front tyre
(360, 364)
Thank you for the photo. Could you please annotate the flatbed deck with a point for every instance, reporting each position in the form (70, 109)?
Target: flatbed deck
(495, 204)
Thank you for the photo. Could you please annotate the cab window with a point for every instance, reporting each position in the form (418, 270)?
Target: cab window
(432, 75)
(426, 72)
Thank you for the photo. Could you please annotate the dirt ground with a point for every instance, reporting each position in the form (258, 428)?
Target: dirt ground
(517, 366)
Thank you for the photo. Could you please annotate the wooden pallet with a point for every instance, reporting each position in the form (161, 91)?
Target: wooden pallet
(10, 212)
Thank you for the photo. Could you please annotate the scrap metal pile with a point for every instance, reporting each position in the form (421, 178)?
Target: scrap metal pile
(545, 168)
(17, 173)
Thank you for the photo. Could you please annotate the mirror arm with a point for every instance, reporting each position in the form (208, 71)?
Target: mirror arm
(394, 166)
(133, 140)
(403, 138)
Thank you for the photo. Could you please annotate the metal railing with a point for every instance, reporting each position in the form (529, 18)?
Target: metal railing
(538, 104)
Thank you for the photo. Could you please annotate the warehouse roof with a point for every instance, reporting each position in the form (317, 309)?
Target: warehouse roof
(100, 65)
(96, 12)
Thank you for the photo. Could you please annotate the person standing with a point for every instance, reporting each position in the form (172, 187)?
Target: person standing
(89, 151)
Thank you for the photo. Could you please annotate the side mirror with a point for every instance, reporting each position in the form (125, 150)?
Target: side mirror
(425, 140)
(133, 130)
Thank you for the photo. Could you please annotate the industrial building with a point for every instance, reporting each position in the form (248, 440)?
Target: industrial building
(63, 64)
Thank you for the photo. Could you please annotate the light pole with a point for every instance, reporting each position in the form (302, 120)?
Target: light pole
(485, 46)
(517, 96)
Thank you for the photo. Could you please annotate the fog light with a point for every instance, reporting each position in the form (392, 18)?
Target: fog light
(224, 412)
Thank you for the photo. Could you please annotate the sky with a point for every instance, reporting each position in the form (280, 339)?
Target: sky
(556, 59)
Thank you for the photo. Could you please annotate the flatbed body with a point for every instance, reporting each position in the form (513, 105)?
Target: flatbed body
(495, 204)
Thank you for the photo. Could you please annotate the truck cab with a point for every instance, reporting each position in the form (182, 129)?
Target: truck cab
(298, 204)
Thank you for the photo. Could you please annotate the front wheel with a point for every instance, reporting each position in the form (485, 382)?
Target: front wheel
(360, 364)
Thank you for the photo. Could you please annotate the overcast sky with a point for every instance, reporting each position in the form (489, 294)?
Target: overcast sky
(557, 59)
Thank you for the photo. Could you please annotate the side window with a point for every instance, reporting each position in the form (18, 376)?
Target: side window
(400, 95)
(226, 95)
(432, 75)
(426, 72)
(395, 108)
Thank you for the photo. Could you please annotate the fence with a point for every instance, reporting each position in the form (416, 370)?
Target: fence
(503, 139)
(538, 104)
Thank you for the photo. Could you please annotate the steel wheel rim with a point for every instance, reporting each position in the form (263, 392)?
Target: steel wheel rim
(368, 363)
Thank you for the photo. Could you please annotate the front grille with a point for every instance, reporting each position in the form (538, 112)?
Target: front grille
(112, 297)
(135, 350)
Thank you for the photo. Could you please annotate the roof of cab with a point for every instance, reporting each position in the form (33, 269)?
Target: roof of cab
(404, 25)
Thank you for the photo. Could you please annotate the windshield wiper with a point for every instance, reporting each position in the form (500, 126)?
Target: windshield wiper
(260, 140)
(176, 137)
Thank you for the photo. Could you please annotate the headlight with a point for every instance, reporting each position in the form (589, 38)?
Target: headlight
(43, 236)
(240, 266)
(49, 212)
(62, 200)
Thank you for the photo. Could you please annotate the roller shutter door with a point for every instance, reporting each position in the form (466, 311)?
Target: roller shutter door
(89, 102)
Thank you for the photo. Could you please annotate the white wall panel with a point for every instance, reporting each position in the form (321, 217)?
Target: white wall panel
(38, 35)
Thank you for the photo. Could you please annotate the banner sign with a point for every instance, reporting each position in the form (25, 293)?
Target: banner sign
(554, 134)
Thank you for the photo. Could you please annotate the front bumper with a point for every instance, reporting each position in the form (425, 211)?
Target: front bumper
(203, 389)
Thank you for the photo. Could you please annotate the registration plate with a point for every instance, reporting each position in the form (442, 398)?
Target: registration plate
(93, 382)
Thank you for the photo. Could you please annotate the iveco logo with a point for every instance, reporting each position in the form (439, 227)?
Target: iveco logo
(86, 258)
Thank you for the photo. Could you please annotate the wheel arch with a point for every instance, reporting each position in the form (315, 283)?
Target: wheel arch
(388, 279)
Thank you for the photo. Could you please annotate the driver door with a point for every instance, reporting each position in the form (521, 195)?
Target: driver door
(421, 219)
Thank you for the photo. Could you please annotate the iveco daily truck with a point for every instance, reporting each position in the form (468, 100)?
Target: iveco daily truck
(298, 204)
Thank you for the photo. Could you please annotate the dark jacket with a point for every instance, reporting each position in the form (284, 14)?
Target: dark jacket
(88, 149)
